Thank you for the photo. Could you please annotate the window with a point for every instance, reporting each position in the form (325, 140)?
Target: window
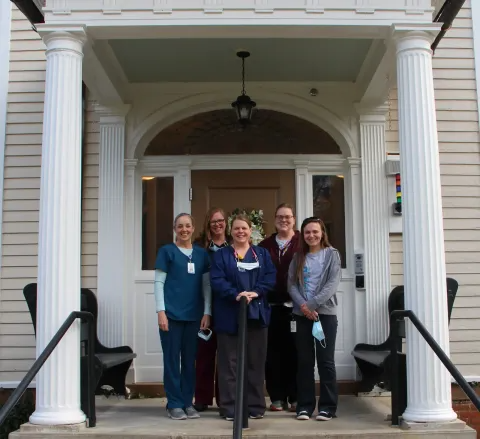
(329, 205)
(157, 217)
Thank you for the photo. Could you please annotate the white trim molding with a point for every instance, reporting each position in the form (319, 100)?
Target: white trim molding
(110, 224)
(5, 28)
(475, 9)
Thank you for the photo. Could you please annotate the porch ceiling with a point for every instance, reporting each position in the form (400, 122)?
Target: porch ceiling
(214, 60)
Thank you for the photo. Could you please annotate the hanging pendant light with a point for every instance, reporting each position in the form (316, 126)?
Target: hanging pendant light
(243, 105)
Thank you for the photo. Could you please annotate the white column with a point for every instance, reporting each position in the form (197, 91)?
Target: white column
(429, 386)
(356, 213)
(375, 223)
(58, 382)
(132, 247)
(182, 184)
(303, 190)
(110, 225)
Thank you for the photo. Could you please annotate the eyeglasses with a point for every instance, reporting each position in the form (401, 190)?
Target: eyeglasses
(217, 222)
(284, 217)
(312, 219)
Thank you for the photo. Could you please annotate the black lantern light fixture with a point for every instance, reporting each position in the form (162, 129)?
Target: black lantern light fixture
(243, 105)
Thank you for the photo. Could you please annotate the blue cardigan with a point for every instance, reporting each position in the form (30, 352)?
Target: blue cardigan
(227, 282)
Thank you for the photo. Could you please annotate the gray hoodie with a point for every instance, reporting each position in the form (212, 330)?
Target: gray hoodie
(325, 298)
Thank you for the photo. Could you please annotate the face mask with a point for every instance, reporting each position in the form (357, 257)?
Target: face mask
(205, 334)
(317, 332)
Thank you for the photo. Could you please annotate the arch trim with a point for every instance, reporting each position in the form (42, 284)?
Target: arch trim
(189, 106)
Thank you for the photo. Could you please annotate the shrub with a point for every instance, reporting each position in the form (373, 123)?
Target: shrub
(18, 416)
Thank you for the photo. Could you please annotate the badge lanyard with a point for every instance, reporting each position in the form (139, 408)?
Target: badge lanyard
(237, 257)
(284, 249)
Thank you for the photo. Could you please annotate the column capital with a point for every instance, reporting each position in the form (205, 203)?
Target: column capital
(111, 114)
(63, 38)
(414, 37)
(354, 162)
(130, 164)
(372, 114)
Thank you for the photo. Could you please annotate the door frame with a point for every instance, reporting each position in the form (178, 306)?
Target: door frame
(180, 168)
(305, 166)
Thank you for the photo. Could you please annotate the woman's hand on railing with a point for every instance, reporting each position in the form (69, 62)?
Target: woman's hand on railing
(205, 323)
(162, 321)
(250, 295)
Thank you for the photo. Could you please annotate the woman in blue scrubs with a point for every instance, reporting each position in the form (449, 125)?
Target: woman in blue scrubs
(242, 270)
(183, 304)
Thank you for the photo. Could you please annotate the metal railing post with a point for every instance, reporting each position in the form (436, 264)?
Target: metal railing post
(394, 377)
(240, 420)
(92, 416)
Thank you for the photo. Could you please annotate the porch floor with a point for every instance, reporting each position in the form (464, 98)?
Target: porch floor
(363, 417)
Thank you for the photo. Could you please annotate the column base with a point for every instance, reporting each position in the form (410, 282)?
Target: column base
(454, 425)
(429, 416)
(58, 418)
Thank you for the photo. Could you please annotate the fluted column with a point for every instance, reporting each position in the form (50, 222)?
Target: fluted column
(429, 386)
(375, 223)
(58, 382)
(132, 245)
(111, 225)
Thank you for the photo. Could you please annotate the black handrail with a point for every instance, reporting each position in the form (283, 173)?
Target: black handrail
(395, 318)
(22, 387)
(240, 419)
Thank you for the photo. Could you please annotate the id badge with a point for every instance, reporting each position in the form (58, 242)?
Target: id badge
(191, 268)
(293, 326)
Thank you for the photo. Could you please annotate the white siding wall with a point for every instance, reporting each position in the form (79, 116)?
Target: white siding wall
(21, 198)
(459, 142)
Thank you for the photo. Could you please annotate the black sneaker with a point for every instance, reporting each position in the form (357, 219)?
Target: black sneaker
(324, 416)
(303, 415)
(256, 415)
(229, 417)
(200, 407)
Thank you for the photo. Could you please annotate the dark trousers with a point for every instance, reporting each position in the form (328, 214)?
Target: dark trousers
(307, 345)
(179, 345)
(207, 378)
(281, 366)
(227, 370)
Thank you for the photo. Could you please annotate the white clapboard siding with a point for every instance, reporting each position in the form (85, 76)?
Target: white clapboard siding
(459, 143)
(21, 198)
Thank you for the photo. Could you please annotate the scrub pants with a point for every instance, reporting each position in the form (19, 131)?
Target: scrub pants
(179, 345)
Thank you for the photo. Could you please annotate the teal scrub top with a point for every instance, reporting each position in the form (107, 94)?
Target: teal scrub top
(183, 291)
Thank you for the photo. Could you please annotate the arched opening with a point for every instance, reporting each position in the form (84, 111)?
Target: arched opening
(218, 132)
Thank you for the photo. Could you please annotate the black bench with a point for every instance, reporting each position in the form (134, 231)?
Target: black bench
(111, 364)
(374, 361)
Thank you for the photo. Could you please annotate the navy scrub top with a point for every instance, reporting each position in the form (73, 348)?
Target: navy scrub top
(183, 291)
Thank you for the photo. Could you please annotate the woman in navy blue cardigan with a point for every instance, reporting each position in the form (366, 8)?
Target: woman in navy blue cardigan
(242, 270)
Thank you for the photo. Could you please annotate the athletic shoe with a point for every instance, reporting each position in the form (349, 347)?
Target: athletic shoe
(303, 416)
(192, 413)
(277, 406)
(324, 416)
(176, 414)
(255, 415)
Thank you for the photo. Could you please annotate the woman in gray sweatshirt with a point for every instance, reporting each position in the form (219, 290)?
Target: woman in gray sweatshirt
(313, 279)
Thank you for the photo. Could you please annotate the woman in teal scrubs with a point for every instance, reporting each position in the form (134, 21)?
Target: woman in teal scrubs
(183, 304)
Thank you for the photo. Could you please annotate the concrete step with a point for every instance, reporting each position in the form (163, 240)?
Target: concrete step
(359, 417)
